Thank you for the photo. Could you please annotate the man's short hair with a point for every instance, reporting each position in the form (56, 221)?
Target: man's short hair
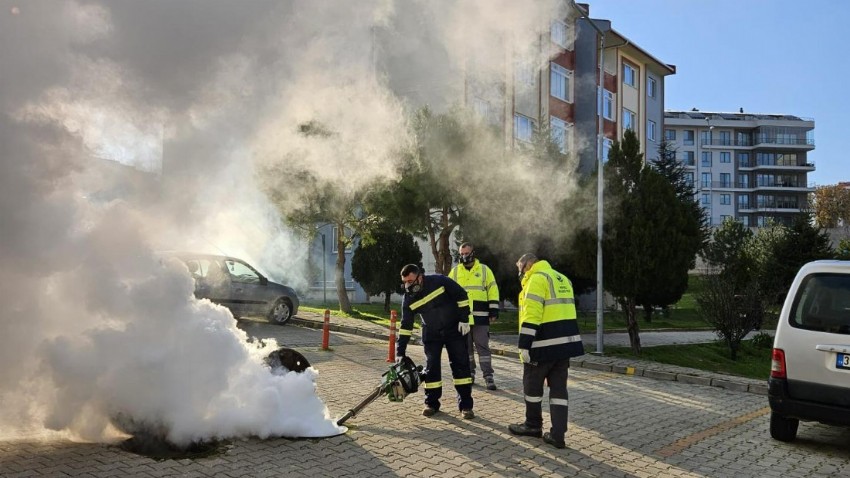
(466, 244)
(409, 269)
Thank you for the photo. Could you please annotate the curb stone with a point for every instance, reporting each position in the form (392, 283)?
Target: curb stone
(635, 367)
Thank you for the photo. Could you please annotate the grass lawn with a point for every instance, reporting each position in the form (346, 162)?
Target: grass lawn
(682, 316)
(753, 362)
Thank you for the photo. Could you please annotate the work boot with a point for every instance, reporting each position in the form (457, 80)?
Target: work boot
(429, 412)
(524, 430)
(491, 384)
(467, 414)
(547, 437)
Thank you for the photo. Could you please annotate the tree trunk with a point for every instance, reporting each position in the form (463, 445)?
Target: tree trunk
(630, 309)
(339, 274)
(647, 313)
(387, 296)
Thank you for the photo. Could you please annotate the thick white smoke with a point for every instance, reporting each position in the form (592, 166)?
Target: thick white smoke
(128, 128)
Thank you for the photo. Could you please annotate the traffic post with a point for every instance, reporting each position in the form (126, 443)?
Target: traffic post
(326, 330)
(391, 351)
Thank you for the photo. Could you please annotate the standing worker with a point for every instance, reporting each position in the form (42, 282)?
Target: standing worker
(443, 308)
(480, 285)
(548, 338)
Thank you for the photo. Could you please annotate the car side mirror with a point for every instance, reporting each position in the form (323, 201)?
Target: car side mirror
(264, 281)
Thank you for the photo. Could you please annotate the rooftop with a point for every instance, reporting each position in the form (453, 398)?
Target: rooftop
(740, 116)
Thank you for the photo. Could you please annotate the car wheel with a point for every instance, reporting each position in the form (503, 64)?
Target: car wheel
(783, 428)
(281, 312)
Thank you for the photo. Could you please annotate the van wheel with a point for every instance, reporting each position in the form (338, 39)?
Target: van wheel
(783, 428)
(281, 312)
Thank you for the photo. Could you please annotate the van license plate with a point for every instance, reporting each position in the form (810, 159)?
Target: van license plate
(843, 361)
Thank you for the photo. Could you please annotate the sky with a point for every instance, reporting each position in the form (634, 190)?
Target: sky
(765, 56)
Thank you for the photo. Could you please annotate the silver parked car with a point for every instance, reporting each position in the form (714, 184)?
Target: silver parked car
(233, 283)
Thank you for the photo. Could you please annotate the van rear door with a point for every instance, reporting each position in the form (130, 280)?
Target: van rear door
(817, 344)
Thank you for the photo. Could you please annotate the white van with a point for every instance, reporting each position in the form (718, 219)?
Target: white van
(810, 371)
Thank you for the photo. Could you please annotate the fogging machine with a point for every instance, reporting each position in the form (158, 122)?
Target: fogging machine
(402, 378)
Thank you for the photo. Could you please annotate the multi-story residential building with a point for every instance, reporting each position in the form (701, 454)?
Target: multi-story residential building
(749, 167)
(633, 94)
(562, 96)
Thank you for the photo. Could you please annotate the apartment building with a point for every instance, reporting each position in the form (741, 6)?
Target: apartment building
(633, 94)
(749, 167)
(562, 95)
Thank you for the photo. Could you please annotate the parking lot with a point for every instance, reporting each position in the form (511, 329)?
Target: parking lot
(620, 425)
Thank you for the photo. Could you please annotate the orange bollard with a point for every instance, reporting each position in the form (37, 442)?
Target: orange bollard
(391, 352)
(326, 330)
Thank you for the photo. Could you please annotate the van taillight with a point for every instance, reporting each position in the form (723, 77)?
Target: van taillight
(777, 365)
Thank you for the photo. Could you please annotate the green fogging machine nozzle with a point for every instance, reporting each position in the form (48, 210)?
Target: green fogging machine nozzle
(400, 380)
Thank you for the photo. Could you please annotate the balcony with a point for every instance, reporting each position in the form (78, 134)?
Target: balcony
(751, 165)
(727, 142)
(719, 185)
(785, 186)
(792, 142)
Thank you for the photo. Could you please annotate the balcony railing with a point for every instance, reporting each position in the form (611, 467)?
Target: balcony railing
(759, 140)
(784, 141)
(778, 205)
(753, 164)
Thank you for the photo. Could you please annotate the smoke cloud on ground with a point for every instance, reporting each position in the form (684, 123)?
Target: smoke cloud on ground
(128, 128)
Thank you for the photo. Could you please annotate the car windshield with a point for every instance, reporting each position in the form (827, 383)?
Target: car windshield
(823, 304)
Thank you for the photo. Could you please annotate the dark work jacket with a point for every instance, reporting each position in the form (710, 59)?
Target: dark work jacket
(441, 305)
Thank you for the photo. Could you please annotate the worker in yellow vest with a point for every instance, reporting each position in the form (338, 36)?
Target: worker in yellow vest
(548, 338)
(480, 285)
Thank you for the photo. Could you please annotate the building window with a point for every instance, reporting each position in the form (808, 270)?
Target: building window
(524, 72)
(608, 105)
(724, 218)
(743, 180)
(481, 108)
(706, 180)
(705, 200)
(629, 75)
(706, 159)
(559, 130)
(725, 138)
(651, 87)
(559, 33)
(725, 199)
(688, 158)
(744, 160)
(670, 134)
(606, 148)
(523, 128)
(559, 82)
(725, 157)
(629, 120)
(725, 180)
(743, 201)
(688, 137)
(335, 241)
(705, 137)
(745, 220)
(650, 130)
(689, 179)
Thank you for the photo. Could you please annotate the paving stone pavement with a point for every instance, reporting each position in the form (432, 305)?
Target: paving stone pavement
(620, 425)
